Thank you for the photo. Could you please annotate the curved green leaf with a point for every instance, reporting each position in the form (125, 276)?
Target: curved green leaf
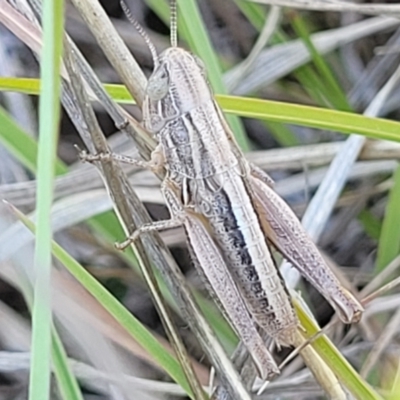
(314, 117)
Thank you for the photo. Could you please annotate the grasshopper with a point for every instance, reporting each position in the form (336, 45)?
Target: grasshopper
(227, 207)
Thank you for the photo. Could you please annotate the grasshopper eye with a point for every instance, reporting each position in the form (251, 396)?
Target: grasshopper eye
(158, 85)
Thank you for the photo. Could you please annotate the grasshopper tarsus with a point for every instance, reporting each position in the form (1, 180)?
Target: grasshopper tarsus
(85, 156)
(122, 125)
(123, 245)
(82, 154)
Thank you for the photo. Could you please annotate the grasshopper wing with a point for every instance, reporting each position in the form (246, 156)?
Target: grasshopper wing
(285, 231)
(213, 267)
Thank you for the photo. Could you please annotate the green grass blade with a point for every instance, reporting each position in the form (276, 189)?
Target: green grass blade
(372, 226)
(313, 85)
(314, 117)
(389, 241)
(12, 136)
(161, 8)
(346, 374)
(20, 85)
(200, 43)
(282, 134)
(255, 13)
(395, 390)
(67, 384)
(133, 326)
(332, 91)
(49, 114)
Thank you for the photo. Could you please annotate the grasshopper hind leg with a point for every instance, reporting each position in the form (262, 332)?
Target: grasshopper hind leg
(258, 173)
(285, 231)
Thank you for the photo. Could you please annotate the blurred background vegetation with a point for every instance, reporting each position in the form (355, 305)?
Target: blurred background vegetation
(326, 57)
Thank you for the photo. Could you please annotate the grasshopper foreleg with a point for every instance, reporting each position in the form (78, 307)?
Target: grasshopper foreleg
(156, 162)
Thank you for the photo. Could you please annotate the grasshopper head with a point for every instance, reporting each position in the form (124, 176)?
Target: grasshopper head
(177, 86)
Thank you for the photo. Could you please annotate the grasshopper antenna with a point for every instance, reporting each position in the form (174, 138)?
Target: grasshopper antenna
(173, 23)
(141, 32)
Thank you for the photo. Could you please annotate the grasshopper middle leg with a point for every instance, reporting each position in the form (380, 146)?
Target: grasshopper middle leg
(177, 219)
